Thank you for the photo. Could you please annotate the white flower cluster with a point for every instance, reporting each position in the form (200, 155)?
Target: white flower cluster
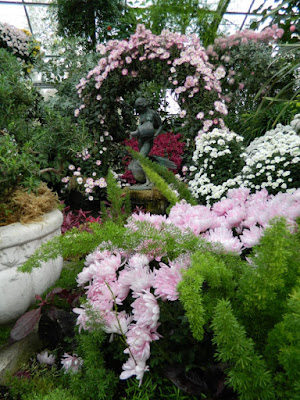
(218, 156)
(14, 39)
(272, 161)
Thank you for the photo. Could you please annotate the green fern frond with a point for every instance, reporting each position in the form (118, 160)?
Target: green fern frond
(247, 373)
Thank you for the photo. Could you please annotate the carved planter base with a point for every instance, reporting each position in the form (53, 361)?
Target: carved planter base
(17, 243)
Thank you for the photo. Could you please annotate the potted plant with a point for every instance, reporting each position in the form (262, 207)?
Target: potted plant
(28, 209)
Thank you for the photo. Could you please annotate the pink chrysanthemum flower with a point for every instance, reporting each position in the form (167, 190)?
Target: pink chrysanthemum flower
(71, 363)
(145, 309)
(165, 282)
(45, 358)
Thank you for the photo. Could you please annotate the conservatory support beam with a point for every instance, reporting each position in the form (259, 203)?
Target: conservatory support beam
(17, 3)
(27, 16)
(248, 13)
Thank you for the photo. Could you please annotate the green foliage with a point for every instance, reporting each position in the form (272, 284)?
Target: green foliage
(254, 76)
(17, 167)
(187, 16)
(67, 279)
(56, 394)
(257, 124)
(4, 334)
(161, 185)
(283, 350)
(210, 276)
(248, 376)
(168, 176)
(190, 295)
(93, 381)
(18, 99)
(151, 389)
(92, 20)
(118, 199)
(75, 244)
(42, 382)
(252, 308)
(64, 73)
(264, 290)
(56, 140)
(282, 87)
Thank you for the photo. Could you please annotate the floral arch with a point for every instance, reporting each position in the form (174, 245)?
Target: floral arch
(172, 60)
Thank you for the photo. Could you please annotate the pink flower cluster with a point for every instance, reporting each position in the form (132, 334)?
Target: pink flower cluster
(269, 34)
(127, 56)
(237, 221)
(113, 277)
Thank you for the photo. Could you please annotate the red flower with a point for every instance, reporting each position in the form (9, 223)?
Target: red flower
(165, 145)
(109, 28)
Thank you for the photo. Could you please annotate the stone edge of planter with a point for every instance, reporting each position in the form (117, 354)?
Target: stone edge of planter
(49, 223)
(12, 356)
(20, 289)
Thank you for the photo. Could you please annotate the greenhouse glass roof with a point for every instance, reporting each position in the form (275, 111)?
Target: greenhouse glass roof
(32, 15)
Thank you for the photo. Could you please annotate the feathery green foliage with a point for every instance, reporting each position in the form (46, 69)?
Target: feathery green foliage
(283, 350)
(166, 174)
(119, 200)
(210, 277)
(153, 390)
(42, 382)
(74, 244)
(248, 376)
(253, 310)
(265, 287)
(56, 394)
(94, 381)
(190, 290)
(161, 185)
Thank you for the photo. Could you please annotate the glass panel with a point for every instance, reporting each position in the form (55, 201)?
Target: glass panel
(240, 6)
(231, 23)
(212, 4)
(13, 15)
(38, 1)
(42, 26)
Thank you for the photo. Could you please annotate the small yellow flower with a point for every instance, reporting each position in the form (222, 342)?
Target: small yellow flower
(26, 32)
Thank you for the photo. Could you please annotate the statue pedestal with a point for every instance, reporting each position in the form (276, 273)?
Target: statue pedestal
(151, 200)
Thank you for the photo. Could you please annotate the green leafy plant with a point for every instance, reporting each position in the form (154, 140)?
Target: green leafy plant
(249, 375)
(248, 307)
(92, 21)
(118, 201)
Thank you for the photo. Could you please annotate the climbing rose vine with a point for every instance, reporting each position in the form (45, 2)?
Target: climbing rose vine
(177, 62)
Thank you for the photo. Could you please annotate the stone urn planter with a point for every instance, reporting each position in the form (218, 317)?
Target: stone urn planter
(17, 243)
